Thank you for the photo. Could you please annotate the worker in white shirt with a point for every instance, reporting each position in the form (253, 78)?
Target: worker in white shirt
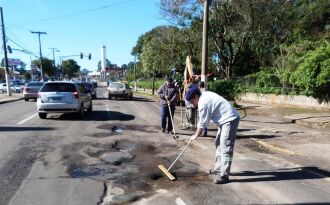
(213, 107)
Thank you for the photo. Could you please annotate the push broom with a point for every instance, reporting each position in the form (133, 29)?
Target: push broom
(167, 171)
(169, 108)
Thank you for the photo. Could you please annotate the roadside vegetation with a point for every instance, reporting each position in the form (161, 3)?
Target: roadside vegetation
(280, 47)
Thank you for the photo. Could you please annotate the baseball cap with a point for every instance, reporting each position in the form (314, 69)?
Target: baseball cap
(191, 92)
(169, 79)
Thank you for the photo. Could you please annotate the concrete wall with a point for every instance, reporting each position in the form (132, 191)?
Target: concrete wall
(286, 100)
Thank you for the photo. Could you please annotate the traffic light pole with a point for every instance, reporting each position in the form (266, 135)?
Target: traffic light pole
(7, 74)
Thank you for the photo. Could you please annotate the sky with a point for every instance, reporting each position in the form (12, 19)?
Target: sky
(75, 26)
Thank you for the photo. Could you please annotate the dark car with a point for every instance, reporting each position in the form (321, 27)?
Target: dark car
(94, 83)
(90, 89)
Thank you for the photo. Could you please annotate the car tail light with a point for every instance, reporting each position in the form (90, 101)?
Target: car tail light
(26, 89)
(75, 94)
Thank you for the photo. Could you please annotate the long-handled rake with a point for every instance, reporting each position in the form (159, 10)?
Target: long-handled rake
(169, 108)
(167, 171)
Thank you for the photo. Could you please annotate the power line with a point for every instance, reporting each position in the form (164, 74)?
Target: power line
(29, 52)
(85, 11)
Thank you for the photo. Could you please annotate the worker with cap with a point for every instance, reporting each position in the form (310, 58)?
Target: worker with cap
(213, 107)
(167, 94)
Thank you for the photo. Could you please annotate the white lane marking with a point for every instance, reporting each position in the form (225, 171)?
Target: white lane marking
(23, 121)
(179, 201)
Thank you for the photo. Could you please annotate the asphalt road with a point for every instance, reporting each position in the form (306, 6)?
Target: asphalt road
(111, 156)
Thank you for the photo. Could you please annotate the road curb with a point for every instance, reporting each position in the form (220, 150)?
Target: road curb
(10, 100)
(274, 148)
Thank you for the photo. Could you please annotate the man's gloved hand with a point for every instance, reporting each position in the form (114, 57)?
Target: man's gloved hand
(193, 137)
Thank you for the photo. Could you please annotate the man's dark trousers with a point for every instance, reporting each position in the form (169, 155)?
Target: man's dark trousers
(166, 118)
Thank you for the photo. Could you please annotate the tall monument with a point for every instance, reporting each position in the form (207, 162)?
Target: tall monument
(103, 63)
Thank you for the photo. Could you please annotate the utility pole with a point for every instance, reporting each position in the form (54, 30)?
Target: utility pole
(135, 89)
(54, 64)
(7, 74)
(39, 33)
(54, 50)
(205, 42)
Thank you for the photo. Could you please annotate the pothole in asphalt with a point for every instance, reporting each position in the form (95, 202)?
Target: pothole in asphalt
(102, 135)
(116, 158)
(117, 129)
(131, 166)
(124, 146)
(102, 172)
(120, 128)
(253, 145)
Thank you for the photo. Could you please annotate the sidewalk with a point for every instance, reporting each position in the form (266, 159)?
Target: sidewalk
(4, 98)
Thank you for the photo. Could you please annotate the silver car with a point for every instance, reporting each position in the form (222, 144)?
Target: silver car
(119, 89)
(63, 97)
(31, 90)
(3, 88)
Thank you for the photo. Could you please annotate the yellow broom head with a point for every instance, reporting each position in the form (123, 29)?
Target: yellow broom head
(166, 172)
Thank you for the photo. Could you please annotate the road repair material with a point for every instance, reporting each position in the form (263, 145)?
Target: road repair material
(167, 171)
(169, 108)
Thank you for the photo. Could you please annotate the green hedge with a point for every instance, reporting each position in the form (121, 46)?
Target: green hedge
(147, 84)
(227, 89)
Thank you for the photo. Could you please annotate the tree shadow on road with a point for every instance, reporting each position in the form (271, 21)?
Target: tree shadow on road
(296, 173)
(256, 136)
(97, 115)
(23, 129)
(271, 122)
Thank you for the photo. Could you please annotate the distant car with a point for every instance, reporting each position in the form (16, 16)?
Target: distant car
(119, 89)
(63, 97)
(3, 88)
(31, 90)
(89, 88)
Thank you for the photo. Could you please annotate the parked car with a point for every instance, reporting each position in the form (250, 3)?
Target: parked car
(3, 88)
(90, 89)
(63, 97)
(31, 90)
(119, 89)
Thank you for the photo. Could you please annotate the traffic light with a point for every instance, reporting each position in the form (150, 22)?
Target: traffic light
(81, 55)
(9, 49)
(89, 56)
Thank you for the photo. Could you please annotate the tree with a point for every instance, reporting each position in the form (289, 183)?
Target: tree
(108, 64)
(47, 66)
(162, 49)
(70, 68)
(27, 76)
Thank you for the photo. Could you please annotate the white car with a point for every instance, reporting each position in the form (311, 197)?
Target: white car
(119, 89)
(3, 88)
(63, 97)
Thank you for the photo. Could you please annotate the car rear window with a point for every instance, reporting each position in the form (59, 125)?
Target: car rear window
(58, 87)
(116, 85)
(87, 85)
(35, 84)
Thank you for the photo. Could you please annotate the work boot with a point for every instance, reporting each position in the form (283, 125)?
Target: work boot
(221, 179)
